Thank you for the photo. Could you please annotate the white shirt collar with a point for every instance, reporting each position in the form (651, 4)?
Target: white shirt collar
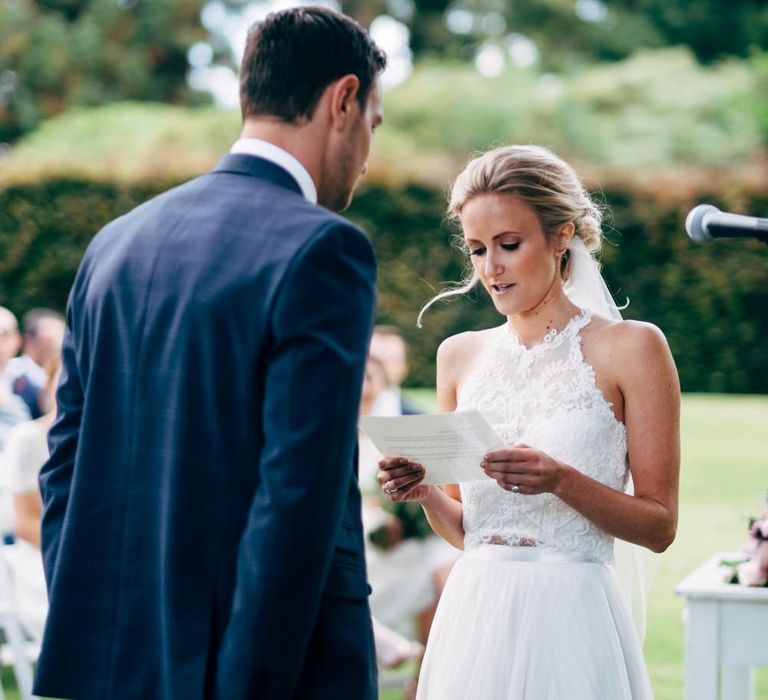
(278, 156)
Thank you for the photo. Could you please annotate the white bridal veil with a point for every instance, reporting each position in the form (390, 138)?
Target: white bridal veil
(635, 566)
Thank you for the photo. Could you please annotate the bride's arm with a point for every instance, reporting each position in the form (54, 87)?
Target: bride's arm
(445, 516)
(647, 379)
(443, 508)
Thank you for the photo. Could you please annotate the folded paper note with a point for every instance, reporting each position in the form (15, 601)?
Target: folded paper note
(450, 446)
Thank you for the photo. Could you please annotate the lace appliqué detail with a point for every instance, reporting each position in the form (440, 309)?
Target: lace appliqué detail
(545, 397)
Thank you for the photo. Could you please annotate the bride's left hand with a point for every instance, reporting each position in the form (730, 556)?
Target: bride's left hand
(523, 469)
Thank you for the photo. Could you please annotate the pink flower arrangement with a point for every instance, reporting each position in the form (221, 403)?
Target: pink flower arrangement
(754, 571)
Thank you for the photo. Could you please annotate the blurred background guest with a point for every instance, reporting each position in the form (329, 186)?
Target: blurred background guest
(43, 334)
(12, 409)
(388, 346)
(10, 340)
(26, 450)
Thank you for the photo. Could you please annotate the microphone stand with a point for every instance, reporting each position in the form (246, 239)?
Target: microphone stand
(758, 235)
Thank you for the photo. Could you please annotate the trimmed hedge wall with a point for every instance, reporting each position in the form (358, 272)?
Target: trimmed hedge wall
(711, 301)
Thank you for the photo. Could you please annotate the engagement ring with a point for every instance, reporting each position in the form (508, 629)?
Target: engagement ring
(515, 488)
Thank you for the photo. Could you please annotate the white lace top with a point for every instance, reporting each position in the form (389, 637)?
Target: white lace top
(545, 397)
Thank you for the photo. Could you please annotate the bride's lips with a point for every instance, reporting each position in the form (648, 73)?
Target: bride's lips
(500, 289)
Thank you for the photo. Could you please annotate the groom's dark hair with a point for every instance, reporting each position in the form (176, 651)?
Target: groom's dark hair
(293, 55)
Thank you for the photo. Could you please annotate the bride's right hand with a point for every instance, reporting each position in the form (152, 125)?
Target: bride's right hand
(400, 479)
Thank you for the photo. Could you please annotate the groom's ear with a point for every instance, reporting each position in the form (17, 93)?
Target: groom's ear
(344, 105)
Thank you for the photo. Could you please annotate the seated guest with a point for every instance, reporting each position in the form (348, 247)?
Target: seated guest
(10, 341)
(12, 409)
(26, 450)
(388, 346)
(43, 334)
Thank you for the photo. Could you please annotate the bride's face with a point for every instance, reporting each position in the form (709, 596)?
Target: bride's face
(516, 263)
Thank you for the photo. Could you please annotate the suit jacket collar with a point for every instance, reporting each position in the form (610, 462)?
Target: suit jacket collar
(243, 164)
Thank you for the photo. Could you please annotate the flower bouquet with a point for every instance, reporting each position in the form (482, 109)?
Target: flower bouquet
(752, 569)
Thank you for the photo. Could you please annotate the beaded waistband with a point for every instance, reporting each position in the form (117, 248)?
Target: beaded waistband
(501, 552)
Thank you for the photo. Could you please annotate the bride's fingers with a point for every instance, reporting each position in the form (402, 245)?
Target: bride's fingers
(508, 454)
(394, 462)
(404, 483)
(507, 480)
(504, 471)
(405, 493)
(524, 466)
(411, 468)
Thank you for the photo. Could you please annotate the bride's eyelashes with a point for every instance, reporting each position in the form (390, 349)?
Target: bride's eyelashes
(505, 246)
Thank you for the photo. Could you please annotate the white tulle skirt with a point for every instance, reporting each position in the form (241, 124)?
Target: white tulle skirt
(511, 629)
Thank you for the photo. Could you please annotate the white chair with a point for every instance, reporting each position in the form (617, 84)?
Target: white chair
(16, 650)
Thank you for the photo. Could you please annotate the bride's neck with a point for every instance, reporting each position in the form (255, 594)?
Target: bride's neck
(553, 312)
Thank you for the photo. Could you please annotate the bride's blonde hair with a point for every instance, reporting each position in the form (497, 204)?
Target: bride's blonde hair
(544, 181)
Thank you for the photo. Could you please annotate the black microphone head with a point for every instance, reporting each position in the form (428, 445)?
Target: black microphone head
(694, 223)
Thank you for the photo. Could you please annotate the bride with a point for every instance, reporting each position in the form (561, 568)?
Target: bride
(584, 401)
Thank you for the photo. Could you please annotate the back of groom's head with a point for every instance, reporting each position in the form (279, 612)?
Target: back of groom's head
(292, 56)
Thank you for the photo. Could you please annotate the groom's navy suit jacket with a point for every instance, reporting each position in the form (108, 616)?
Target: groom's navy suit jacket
(201, 525)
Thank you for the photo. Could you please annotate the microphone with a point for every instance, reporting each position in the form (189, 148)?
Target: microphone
(704, 223)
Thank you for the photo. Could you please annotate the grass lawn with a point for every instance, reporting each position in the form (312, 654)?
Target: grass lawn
(723, 479)
(9, 684)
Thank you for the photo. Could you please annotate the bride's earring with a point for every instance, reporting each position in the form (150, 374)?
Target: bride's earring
(562, 263)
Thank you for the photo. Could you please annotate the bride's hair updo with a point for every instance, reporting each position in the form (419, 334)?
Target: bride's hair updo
(544, 181)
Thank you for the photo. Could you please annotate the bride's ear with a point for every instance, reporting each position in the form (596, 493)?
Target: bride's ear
(563, 238)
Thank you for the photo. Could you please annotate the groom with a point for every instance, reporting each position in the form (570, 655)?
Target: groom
(201, 525)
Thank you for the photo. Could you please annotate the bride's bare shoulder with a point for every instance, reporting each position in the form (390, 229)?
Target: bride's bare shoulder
(457, 355)
(626, 341)
(458, 350)
(632, 333)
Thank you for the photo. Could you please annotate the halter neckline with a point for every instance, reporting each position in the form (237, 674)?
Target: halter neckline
(553, 337)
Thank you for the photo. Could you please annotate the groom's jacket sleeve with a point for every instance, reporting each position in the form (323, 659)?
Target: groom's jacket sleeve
(321, 322)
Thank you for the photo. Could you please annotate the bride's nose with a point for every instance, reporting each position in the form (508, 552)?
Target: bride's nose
(493, 265)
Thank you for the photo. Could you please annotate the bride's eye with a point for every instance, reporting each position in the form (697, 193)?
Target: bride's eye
(510, 246)
(476, 251)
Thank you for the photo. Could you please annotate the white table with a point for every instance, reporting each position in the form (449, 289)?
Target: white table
(726, 634)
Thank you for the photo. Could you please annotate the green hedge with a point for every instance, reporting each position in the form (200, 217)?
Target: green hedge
(44, 230)
(710, 300)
